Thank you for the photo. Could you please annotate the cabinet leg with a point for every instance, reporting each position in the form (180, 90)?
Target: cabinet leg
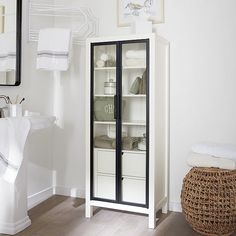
(165, 208)
(152, 220)
(88, 210)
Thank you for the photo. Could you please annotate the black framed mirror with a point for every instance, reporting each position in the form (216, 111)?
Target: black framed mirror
(10, 42)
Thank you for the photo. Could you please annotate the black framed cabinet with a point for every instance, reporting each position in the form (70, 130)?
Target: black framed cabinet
(127, 124)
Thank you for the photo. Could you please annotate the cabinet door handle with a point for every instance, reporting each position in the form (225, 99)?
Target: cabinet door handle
(115, 105)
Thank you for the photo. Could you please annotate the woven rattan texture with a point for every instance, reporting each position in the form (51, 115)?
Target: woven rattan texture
(208, 200)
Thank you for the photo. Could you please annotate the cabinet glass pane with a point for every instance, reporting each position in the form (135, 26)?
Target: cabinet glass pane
(104, 124)
(134, 123)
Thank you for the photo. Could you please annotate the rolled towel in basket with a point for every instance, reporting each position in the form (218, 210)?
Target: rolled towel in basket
(216, 149)
(205, 160)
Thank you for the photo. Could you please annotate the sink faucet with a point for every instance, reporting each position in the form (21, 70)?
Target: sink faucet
(7, 100)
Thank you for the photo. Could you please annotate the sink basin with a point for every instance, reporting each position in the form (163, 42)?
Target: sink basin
(13, 167)
(40, 122)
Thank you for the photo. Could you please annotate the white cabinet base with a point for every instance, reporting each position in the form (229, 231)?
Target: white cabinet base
(149, 212)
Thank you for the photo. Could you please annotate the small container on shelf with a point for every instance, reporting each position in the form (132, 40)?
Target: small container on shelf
(142, 143)
(110, 87)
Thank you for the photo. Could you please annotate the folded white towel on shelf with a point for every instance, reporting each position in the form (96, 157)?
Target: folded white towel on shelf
(216, 149)
(7, 52)
(205, 160)
(136, 54)
(12, 144)
(54, 49)
(135, 62)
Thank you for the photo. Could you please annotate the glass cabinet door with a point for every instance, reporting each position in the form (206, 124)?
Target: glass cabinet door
(134, 119)
(103, 131)
(119, 125)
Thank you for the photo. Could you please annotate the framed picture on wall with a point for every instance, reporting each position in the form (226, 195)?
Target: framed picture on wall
(128, 10)
(2, 12)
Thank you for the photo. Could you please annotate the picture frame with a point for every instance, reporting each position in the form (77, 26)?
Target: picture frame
(129, 10)
(2, 18)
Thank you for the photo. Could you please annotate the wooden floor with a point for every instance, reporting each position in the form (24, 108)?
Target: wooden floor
(64, 216)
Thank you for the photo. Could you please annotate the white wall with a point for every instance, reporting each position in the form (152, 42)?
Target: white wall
(69, 141)
(37, 88)
(203, 53)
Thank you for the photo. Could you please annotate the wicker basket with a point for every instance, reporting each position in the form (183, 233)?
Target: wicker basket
(208, 200)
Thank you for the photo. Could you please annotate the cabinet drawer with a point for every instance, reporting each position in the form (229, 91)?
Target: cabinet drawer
(134, 164)
(105, 187)
(106, 162)
(134, 190)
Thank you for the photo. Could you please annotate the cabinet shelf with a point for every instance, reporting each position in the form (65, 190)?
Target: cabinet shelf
(134, 67)
(136, 151)
(134, 96)
(104, 68)
(124, 68)
(103, 95)
(123, 96)
(128, 123)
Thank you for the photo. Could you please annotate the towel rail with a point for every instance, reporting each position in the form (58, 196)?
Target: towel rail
(80, 19)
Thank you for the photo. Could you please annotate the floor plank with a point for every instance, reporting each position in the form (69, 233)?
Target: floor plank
(64, 216)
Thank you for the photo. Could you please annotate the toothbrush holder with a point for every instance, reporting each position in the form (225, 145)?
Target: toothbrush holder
(15, 110)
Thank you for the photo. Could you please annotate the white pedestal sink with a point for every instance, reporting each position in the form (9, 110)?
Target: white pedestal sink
(13, 190)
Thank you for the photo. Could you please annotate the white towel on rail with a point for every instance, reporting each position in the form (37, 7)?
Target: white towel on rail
(54, 49)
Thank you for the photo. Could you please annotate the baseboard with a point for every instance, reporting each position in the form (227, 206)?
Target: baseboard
(70, 192)
(39, 197)
(161, 203)
(175, 206)
(10, 228)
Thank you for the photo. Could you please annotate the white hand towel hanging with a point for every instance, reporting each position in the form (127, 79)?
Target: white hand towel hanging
(54, 49)
(12, 146)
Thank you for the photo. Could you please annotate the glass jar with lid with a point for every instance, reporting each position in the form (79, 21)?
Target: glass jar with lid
(110, 87)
